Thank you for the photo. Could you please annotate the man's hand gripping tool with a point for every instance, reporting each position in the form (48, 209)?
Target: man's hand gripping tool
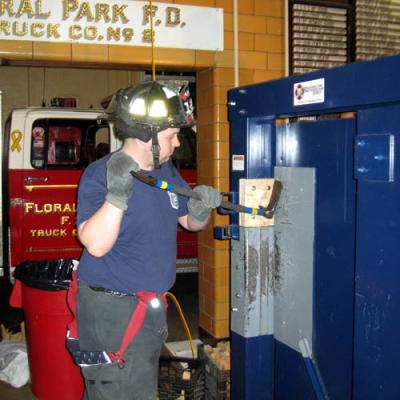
(267, 212)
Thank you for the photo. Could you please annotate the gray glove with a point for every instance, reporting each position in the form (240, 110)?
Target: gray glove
(119, 179)
(210, 198)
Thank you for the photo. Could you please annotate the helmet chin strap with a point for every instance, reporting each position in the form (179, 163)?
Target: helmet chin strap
(155, 149)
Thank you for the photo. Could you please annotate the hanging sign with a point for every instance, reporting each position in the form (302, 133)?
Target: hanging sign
(112, 22)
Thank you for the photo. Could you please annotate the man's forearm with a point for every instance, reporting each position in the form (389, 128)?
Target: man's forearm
(100, 232)
(195, 225)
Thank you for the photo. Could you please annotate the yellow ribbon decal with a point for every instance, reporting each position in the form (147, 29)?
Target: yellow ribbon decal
(16, 137)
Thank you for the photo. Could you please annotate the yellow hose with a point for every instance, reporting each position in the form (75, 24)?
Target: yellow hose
(169, 294)
(184, 323)
(153, 64)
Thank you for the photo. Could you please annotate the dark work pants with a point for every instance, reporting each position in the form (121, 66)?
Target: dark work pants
(102, 320)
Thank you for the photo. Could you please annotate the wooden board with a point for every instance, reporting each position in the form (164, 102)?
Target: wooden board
(255, 193)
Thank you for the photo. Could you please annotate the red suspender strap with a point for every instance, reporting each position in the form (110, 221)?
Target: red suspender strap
(135, 323)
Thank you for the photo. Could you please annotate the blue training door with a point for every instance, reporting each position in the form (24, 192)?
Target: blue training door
(333, 277)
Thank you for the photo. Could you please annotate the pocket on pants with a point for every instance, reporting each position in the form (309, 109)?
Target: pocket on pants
(101, 381)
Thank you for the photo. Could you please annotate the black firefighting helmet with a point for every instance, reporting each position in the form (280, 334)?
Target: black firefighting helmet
(143, 110)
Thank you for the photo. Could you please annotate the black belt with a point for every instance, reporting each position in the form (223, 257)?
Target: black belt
(110, 291)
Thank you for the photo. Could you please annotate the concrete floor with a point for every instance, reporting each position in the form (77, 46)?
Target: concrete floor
(185, 291)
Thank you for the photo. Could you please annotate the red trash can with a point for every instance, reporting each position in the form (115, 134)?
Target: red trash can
(54, 375)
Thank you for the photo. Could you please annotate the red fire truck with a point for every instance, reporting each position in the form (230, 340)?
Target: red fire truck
(45, 153)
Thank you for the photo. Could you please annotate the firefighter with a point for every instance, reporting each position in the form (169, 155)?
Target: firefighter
(129, 232)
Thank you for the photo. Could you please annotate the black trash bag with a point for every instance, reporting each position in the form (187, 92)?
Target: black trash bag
(45, 274)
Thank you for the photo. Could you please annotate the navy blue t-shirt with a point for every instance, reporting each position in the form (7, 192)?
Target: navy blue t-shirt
(144, 255)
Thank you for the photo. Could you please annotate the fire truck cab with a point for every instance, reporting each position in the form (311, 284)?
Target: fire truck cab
(45, 153)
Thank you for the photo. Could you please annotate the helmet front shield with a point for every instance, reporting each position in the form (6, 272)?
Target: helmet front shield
(141, 110)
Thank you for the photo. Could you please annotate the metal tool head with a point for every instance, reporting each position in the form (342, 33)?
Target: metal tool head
(149, 180)
(273, 202)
